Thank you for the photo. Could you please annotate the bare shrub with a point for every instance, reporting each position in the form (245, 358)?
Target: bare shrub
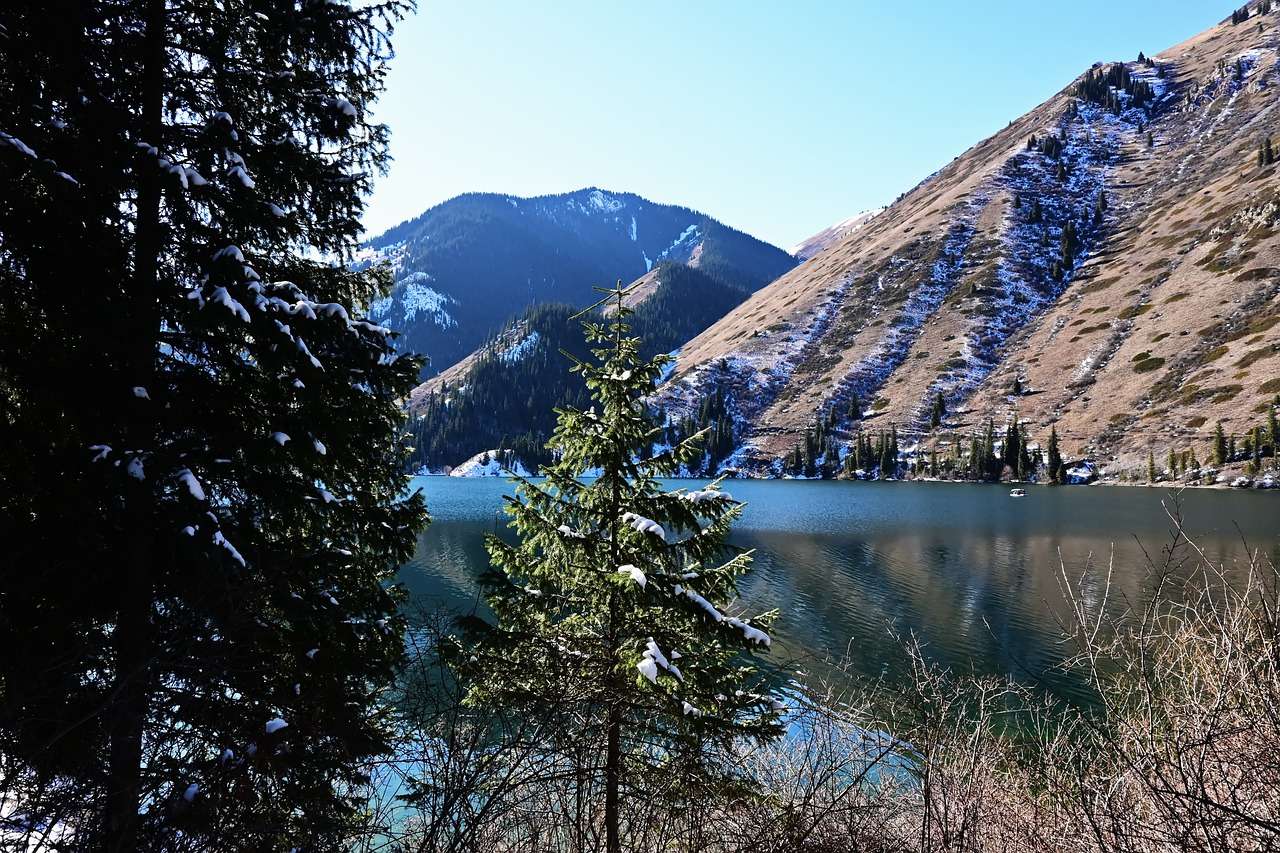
(1179, 749)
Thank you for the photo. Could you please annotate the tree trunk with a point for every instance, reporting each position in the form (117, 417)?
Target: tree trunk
(132, 635)
(612, 773)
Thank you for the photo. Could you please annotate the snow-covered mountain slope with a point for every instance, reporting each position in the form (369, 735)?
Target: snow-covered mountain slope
(806, 249)
(470, 264)
(1114, 251)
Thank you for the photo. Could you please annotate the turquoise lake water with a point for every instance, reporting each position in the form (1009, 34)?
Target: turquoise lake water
(973, 572)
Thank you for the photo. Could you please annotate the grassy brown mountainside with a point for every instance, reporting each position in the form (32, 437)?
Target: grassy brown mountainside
(1160, 320)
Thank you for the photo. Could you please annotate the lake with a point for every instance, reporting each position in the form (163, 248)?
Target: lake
(974, 573)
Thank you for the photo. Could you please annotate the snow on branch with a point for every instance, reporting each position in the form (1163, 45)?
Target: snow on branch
(750, 632)
(643, 525)
(635, 574)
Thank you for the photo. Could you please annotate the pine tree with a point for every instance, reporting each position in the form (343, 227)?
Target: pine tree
(1220, 455)
(202, 477)
(1273, 429)
(1056, 472)
(609, 583)
(855, 407)
(938, 412)
(1151, 466)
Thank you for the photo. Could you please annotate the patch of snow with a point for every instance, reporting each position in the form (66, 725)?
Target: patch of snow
(186, 478)
(604, 202)
(806, 249)
(640, 524)
(683, 245)
(222, 542)
(17, 143)
(416, 297)
(634, 573)
(489, 463)
(519, 351)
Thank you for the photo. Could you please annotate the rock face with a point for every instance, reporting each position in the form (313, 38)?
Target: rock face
(467, 266)
(1111, 256)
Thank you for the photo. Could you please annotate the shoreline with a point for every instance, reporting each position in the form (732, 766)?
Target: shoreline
(1016, 484)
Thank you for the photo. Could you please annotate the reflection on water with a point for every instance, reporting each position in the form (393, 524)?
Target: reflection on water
(974, 574)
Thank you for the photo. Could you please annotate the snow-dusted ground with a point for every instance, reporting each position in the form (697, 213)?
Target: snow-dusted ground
(520, 350)
(488, 463)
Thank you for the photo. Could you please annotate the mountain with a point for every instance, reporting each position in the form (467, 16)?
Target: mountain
(503, 394)
(806, 249)
(1106, 265)
(467, 266)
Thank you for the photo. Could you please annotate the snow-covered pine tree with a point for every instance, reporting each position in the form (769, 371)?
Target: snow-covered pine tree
(200, 492)
(615, 606)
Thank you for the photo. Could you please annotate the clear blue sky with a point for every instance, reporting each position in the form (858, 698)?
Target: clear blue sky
(776, 118)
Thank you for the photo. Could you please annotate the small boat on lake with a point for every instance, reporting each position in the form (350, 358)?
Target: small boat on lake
(1018, 493)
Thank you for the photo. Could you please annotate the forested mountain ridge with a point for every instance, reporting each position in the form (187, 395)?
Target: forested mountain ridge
(466, 266)
(503, 395)
(1105, 265)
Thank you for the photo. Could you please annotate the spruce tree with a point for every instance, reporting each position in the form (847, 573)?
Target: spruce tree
(855, 407)
(938, 412)
(1220, 454)
(1056, 472)
(1273, 429)
(201, 491)
(1151, 466)
(614, 605)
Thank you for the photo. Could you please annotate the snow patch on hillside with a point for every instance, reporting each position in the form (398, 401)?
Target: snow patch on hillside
(491, 463)
(367, 256)
(604, 202)
(682, 248)
(416, 297)
(1023, 286)
(806, 249)
(520, 350)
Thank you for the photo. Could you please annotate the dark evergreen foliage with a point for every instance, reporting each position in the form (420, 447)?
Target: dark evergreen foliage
(200, 495)
(1115, 89)
(1056, 470)
(613, 621)
(938, 411)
